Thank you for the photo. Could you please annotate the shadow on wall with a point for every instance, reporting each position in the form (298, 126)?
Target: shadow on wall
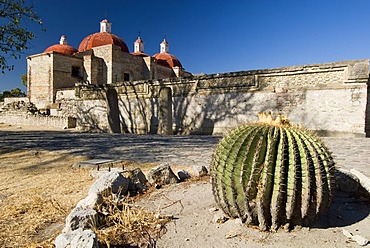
(199, 113)
(367, 112)
(88, 120)
(113, 111)
(193, 112)
(133, 111)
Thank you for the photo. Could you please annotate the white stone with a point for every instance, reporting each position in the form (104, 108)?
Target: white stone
(80, 218)
(112, 181)
(347, 233)
(360, 240)
(85, 239)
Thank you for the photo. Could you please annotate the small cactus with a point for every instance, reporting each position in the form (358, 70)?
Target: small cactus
(272, 174)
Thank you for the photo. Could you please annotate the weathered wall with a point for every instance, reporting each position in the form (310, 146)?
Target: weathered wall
(48, 72)
(39, 79)
(39, 120)
(8, 100)
(325, 97)
(117, 63)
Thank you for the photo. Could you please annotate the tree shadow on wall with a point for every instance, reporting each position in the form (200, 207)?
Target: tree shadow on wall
(195, 110)
(199, 112)
(89, 120)
(133, 108)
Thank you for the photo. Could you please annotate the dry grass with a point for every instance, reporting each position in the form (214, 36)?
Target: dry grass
(37, 191)
(120, 222)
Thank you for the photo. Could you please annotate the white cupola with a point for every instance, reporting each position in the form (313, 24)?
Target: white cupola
(164, 46)
(105, 26)
(139, 45)
(63, 40)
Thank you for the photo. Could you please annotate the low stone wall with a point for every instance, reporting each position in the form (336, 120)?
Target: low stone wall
(328, 98)
(8, 100)
(39, 120)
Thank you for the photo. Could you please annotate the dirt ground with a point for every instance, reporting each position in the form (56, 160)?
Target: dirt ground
(39, 188)
(193, 209)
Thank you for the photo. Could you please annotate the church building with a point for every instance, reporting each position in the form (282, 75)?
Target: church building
(101, 58)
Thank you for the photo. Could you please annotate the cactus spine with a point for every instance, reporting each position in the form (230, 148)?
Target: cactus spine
(272, 175)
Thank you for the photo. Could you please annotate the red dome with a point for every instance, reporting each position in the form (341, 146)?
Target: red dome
(61, 48)
(140, 54)
(102, 39)
(167, 59)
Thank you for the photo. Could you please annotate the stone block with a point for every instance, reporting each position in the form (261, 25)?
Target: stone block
(113, 182)
(162, 175)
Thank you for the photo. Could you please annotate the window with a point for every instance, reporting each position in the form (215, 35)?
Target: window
(75, 71)
(126, 77)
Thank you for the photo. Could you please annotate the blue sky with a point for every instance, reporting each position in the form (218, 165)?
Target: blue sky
(213, 36)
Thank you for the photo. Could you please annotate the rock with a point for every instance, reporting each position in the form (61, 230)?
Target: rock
(90, 201)
(80, 218)
(183, 175)
(98, 173)
(346, 181)
(62, 241)
(200, 170)
(77, 238)
(113, 182)
(347, 233)
(220, 218)
(212, 210)
(137, 176)
(85, 239)
(357, 238)
(137, 180)
(364, 180)
(238, 221)
(360, 240)
(161, 175)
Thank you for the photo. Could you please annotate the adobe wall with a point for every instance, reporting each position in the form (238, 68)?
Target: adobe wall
(329, 97)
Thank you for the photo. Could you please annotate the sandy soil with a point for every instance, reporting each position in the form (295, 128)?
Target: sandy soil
(38, 189)
(193, 208)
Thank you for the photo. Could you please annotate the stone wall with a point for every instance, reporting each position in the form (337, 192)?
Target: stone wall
(48, 72)
(61, 122)
(8, 100)
(329, 97)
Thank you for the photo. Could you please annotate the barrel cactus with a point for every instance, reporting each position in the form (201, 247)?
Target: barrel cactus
(272, 174)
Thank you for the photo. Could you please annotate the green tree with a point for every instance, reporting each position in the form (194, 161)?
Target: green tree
(14, 32)
(17, 92)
